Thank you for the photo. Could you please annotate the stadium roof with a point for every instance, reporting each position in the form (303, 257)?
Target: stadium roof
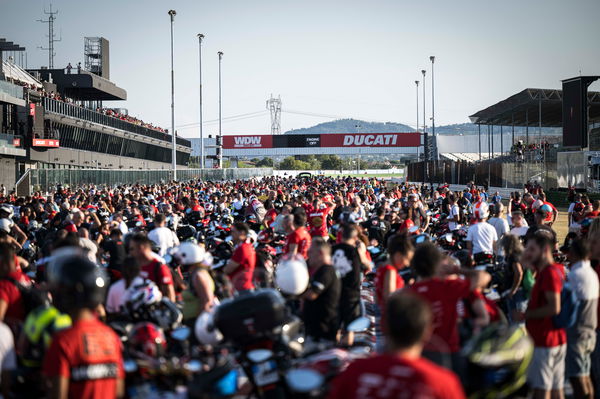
(83, 85)
(523, 109)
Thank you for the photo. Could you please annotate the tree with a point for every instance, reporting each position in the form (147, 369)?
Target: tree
(265, 163)
(331, 162)
(290, 163)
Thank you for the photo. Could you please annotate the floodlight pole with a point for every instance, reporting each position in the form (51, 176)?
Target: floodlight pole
(172, 14)
(435, 153)
(220, 149)
(200, 37)
(425, 138)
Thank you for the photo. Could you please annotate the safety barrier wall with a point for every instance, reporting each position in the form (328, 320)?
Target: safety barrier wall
(46, 180)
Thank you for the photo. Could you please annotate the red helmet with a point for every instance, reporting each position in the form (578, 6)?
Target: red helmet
(147, 339)
(406, 225)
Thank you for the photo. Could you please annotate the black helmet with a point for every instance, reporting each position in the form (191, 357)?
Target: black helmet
(498, 359)
(76, 282)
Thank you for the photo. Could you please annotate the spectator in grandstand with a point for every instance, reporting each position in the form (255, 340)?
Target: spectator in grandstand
(407, 329)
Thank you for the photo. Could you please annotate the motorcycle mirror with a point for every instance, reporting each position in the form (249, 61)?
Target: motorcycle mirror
(448, 237)
(420, 239)
(181, 333)
(259, 355)
(193, 366)
(303, 380)
(359, 325)
(130, 366)
(413, 229)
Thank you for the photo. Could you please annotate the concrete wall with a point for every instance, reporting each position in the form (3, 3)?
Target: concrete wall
(7, 172)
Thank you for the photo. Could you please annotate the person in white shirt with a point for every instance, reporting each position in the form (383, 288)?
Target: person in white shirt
(162, 236)
(481, 236)
(519, 227)
(454, 214)
(8, 359)
(117, 293)
(581, 337)
(498, 220)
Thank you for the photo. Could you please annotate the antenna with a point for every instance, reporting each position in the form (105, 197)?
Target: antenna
(51, 36)
(274, 106)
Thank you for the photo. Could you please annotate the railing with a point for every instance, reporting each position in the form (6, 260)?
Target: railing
(46, 180)
(11, 89)
(63, 108)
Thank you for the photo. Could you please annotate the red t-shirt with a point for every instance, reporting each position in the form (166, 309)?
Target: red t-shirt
(89, 355)
(300, 237)
(380, 278)
(390, 376)
(245, 256)
(317, 220)
(157, 272)
(542, 331)
(10, 294)
(443, 296)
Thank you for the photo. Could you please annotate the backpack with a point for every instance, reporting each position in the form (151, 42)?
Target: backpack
(569, 307)
(31, 296)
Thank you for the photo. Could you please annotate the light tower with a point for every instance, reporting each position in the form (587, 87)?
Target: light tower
(51, 36)
(274, 106)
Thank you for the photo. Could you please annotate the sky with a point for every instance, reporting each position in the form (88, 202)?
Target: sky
(327, 59)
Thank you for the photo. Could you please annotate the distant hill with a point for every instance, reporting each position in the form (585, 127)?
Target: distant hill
(349, 126)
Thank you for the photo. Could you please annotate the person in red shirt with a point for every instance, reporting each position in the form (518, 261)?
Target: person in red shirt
(12, 309)
(443, 294)
(387, 278)
(140, 248)
(546, 373)
(298, 239)
(401, 371)
(240, 268)
(84, 360)
(317, 220)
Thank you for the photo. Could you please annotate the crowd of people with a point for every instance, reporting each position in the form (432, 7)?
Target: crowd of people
(471, 294)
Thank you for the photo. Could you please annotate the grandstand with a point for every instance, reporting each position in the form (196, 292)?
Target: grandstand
(54, 119)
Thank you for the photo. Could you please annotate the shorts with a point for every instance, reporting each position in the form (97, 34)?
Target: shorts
(349, 313)
(547, 368)
(579, 353)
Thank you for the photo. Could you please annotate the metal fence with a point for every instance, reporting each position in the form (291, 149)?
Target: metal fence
(490, 172)
(46, 180)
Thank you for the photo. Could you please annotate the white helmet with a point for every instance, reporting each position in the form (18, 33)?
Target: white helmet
(205, 330)
(141, 295)
(6, 225)
(481, 210)
(253, 237)
(8, 209)
(291, 276)
(189, 253)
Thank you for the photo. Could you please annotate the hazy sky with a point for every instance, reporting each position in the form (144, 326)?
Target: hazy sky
(341, 58)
